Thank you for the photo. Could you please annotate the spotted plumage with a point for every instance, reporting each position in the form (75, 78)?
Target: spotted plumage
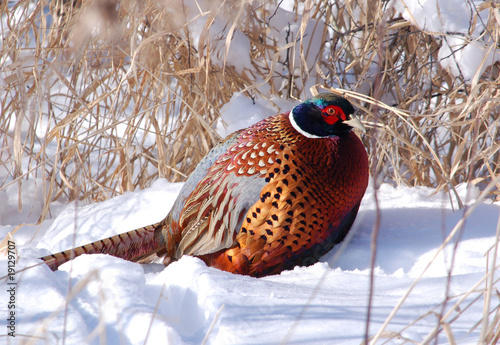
(277, 194)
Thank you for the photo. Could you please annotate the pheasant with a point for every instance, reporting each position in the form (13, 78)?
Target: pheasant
(275, 195)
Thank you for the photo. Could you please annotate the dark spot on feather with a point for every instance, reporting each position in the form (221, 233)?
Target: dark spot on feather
(252, 232)
(288, 220)
(286, 228)
(289, 247)
(287, 156)
(267, 179)
(275, 217)
(290, 213)
(269, 232)
(279, 190)
(271, 174)
(286, 169)
(230, 258)
(282, 147)
(275, 204)
(296, 242)
(249, 220)
(278, 160)
(244, 230)
(254, 214)
(315, 222)
(265, 196)
(263, 237)
(285, 182)
(299, 190)
(299, 172)
(258, 210)
(303, 222)
(294, 162)
(302, 229)
(289, 202)
(302, 214)
(270, 222)
(301, 204)
(297, 235)
(294, 177)
(293, 194)
(276, 170)
(277, 196)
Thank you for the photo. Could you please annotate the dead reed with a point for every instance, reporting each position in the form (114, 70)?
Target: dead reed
(101, 97)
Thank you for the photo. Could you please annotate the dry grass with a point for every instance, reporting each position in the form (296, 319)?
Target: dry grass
(125, 94)
(99, 97)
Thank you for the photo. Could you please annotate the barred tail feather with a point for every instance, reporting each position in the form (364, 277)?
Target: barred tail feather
(135, 245)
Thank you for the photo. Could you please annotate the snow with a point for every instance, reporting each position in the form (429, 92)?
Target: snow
(467, 48)
(186, 302)
(98, 299)
(233, 119)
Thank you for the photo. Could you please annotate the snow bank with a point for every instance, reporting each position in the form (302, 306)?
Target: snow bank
(118, 302)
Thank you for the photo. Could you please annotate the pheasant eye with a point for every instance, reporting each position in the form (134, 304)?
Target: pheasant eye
(331, 111)
(333, 114)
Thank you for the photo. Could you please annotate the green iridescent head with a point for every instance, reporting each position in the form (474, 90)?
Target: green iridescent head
(324, 115)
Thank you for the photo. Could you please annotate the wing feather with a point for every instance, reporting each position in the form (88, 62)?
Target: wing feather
(215, 208)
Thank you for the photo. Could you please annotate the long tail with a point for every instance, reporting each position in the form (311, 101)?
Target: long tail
(135, 245)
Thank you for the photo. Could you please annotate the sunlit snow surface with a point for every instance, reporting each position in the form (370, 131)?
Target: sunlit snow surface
(125, 303)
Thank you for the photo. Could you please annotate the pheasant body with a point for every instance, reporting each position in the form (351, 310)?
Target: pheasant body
(278, 194)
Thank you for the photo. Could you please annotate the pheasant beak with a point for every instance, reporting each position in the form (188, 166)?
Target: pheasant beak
(355, 123)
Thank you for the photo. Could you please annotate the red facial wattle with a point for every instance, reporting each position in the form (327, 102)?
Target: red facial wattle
(333, 114)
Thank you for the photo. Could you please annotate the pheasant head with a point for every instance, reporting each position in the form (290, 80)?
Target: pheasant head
(325, 115)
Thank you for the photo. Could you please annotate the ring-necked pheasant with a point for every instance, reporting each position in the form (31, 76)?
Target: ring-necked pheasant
(269, 197)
